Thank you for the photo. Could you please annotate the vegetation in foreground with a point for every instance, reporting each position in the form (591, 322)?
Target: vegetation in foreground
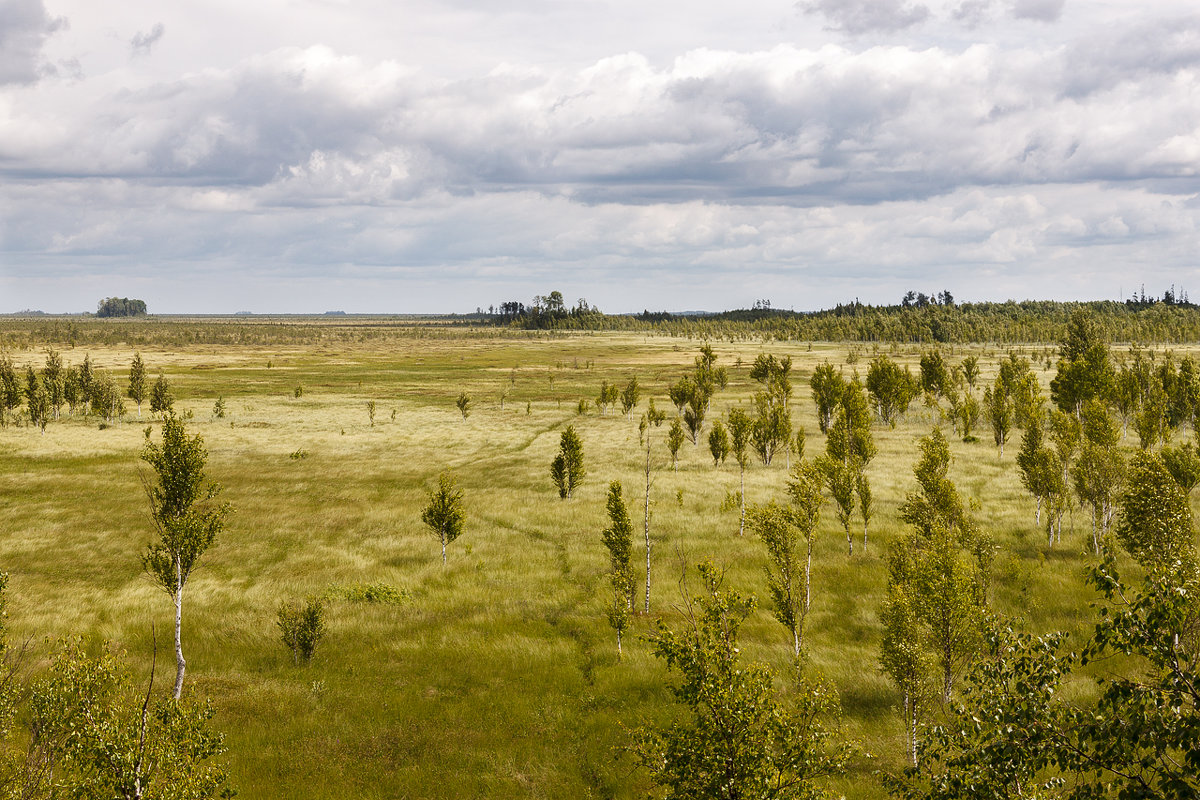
(499, 673)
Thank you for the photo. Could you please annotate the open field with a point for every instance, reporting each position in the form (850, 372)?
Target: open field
(498, 676)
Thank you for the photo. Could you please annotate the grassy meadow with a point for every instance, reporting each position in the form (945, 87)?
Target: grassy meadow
(497, 676)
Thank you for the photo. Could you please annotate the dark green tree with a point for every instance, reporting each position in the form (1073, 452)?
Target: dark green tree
(618, 539)
(567, 469)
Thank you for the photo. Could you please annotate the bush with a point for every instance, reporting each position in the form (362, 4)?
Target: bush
(301, 625)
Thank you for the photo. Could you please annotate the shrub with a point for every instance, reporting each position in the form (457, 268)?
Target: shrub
(301, 626)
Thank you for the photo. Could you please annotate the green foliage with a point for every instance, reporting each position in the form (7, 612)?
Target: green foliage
(935, 375)
(718, 443)
(463, 403)
(443, 513)
(608, 396)
(371, 412)
(891, 389)
(106, 398)
(787, 579)
(301, 627)
(1012, 734)
(120, 307)
(675, 437)
(740, 740)
(161, 399)
(378, 593)
(567, 469)
(630, 395)
(137, 381)
(1155, 521)
(103, 738)
(185, 516)
(998, 409)
(827, 387)
(1183, 462)
(1084, 368)
(618, 539)
(1099, 471)
(219, 408)
(10, 388)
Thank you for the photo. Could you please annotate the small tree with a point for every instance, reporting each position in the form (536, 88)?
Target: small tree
(567, 469)
(37, 401)
(891, 388)
(219, 408)
(675, 438)
(161, 399)
(618, 539)
(630, 395)
(741, 741)
(443, 514)
(718, 443)
(186, 517)
(301, 627)
(104, 737)
(1155, 521)
(998, 408)
(464, 404)
(371, 412)
(741, 427)
(137, 382)
(653, 418)
(827, 387)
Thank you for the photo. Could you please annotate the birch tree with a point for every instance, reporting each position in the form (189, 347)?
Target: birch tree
(443, 514)
(653, 418)
(137, 382)
(741, 428)
(186, 517)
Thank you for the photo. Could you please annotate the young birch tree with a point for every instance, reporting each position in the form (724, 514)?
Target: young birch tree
(185, 515)
(653, 418)
(137, 382)
(741, 428)
(443, 514)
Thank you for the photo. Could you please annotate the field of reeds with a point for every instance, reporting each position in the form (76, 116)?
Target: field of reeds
(496, 675)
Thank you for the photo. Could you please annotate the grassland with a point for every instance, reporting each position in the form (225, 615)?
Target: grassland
(498, 676)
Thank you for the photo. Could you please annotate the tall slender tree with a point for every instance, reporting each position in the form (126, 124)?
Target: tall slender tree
(186, 517)
(137, 382)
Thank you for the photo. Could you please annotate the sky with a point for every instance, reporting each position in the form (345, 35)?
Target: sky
(432, 156)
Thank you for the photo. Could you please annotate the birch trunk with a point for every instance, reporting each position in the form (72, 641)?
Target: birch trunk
(180, 664)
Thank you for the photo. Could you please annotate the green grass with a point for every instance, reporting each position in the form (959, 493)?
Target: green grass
(497, 675)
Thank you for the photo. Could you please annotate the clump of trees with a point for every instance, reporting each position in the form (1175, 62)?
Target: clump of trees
(120, 307)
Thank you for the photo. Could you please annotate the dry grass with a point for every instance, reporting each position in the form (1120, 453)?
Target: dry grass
(499, 677)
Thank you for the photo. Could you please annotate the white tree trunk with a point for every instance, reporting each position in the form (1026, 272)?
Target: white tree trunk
(742, 497)
(647, 523)
(180, 664)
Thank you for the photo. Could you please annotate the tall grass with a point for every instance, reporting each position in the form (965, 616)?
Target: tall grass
(497, 676)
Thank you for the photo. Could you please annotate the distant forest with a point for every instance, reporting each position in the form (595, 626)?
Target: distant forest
(917, 318)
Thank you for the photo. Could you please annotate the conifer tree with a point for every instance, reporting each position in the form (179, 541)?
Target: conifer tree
(567, 469)
(618, 539)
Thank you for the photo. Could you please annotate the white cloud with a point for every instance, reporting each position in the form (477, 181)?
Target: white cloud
(24, 28)
(841, 167)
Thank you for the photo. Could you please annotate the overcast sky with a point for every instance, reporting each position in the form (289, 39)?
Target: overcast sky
(439, 155)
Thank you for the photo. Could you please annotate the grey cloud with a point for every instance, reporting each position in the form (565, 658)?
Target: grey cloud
(1038, 10)
(24, 27)
(868, 16)
(142, 42)
(1131, 53)
(971, 13)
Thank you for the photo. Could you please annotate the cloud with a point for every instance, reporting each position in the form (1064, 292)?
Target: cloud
(142, 42)
(1038, 10)
(868, 16)
(24, 28)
